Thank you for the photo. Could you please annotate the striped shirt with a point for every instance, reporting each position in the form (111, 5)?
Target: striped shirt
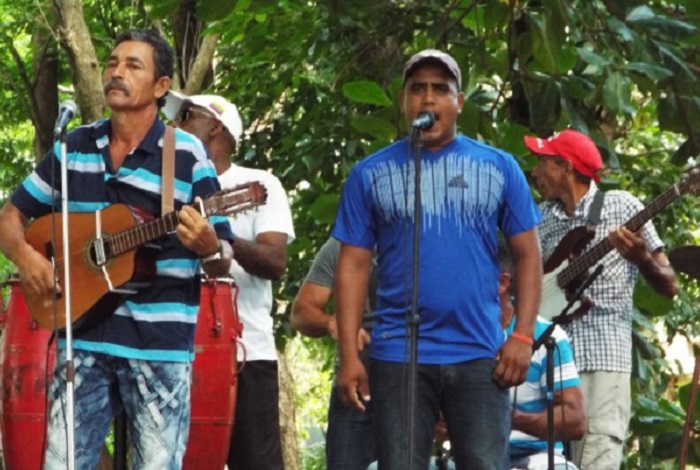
(530, 397)
(158, 321)
(602, 339)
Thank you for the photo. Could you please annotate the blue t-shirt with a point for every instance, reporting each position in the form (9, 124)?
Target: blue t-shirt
(469, 190)
(158, 322)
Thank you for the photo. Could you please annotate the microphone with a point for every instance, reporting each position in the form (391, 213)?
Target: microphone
(66, 112)
(424, 121)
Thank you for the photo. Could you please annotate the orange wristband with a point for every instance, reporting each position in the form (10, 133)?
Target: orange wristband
(522, 337)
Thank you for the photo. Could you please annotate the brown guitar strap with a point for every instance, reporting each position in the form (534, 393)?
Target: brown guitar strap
(168, 174)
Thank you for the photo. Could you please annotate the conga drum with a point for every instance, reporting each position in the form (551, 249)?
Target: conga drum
(27, 365)
(213, 394)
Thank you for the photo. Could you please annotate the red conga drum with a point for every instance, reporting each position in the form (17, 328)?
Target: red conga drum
(213, 395)
(25, 353)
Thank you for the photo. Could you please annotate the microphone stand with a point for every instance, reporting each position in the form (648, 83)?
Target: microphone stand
(70, 368)
(413, 320)
(549, 343)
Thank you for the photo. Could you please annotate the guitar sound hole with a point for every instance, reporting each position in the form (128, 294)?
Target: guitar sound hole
(96, 260)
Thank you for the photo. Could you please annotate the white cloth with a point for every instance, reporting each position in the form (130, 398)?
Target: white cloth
(540, 462)
(255, 295)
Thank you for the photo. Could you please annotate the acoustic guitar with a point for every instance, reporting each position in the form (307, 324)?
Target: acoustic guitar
(568, 267)
(103, 248)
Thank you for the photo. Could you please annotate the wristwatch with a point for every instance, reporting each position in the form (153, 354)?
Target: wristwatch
(217, 255)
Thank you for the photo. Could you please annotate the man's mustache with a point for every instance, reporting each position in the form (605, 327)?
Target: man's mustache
(116, 85)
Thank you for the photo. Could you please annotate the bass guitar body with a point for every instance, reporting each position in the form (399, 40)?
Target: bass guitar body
(556, 297)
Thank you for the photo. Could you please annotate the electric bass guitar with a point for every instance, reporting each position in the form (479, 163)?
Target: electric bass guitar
(567, 268)
(103, 247)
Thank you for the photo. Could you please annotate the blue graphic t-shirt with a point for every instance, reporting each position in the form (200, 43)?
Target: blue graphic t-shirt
(468, 191)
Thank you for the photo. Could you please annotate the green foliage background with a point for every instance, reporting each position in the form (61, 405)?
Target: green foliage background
(316, 83)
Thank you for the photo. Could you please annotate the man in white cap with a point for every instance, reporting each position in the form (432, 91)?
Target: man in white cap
(260, 258)
(566, 174)
(470, 192)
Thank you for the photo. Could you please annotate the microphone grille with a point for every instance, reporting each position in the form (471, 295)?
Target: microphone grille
(69, 105)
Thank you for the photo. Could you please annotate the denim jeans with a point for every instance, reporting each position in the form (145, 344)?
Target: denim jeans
(475, 409)
(154, 394)
(350, 442)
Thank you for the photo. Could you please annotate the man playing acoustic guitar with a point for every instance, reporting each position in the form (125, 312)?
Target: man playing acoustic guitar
(134, 353)
(565, 176)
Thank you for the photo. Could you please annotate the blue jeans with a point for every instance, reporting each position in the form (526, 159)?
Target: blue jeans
(154, 394)
(475, 409)
(350, 442)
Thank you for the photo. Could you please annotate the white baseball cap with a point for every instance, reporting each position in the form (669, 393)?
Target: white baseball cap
(222, 109)
(435, 55)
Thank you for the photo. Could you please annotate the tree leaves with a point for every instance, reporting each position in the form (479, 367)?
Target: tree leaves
(617, 92)
(668, 28)
(550, 50)
(161, 8)
(213, 10)
(378, 128)
(366, 92)
(653, 71)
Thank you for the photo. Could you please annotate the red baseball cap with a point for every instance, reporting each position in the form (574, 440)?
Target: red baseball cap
(572, 146)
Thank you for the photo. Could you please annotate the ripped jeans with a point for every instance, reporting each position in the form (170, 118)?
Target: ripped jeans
(154, 394)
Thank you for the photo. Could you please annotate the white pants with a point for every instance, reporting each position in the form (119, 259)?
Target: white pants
(607, 400)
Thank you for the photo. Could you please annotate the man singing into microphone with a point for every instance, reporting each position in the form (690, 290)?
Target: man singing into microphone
(131, 352)
(469, 192)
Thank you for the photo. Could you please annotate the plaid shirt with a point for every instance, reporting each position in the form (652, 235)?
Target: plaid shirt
(602, 339)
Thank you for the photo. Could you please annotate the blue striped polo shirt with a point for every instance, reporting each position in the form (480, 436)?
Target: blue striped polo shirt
(532, 394)
(158, 321)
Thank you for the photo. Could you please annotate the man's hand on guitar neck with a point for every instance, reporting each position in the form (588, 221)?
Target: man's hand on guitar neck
(197, 234)
(655, 267)
(631, 245)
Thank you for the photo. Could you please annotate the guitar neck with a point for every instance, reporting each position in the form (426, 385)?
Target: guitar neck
(128, 240)
(583, 263)
(226, 202)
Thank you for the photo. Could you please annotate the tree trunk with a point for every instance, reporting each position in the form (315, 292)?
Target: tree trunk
(201, 69)
(44, 95)
(290, 446)
(87, 77)
(193, 52)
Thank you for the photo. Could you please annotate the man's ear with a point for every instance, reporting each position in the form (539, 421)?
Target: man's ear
(401, 97)
(162, 86)
(569, 166)
(503, 283)
(216, 129)
(460, 102)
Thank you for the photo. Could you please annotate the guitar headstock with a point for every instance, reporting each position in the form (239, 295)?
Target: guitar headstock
(690, 182)
(237, 199)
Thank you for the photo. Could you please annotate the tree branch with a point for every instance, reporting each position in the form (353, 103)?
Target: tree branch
(23, 76)
(202, 63)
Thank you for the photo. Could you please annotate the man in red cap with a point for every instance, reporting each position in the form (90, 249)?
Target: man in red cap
(566, 176)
